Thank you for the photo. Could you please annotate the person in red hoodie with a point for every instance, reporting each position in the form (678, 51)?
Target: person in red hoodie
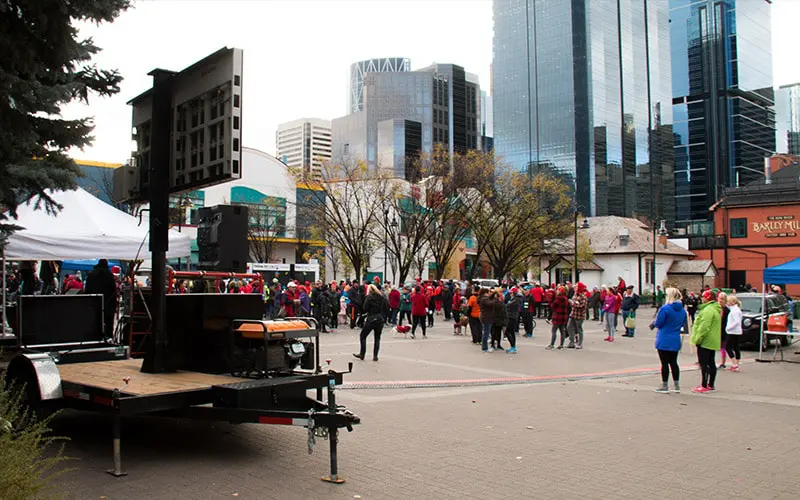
(394, 304)
(547, 303)
(429, 293)
(617, 307)
(621, 286)
(419, 309)
(292, 299)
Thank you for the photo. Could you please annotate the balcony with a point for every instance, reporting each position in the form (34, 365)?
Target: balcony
(707, 242)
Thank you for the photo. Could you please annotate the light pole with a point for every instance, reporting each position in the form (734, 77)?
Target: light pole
(584, 225)
(662, 231)
(385, 241)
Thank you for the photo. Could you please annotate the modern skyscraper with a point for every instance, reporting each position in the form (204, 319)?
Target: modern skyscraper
(787, 119)
(358, 70)
(442, 98)
(581, 88)
(304, 143)
(723, 98)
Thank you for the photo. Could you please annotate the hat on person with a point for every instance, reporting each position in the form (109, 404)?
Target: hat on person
(274, 280)
(709, 295)
(629, 287)
(514, 290)
(580, 286)
(291, 284)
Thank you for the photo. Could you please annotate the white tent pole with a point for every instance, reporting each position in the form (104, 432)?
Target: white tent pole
(763, 312)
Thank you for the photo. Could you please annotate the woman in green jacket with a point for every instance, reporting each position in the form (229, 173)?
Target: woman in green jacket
(405, 306)
(706, 336)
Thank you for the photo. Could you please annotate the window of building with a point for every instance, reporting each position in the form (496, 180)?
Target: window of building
(738, 228)
(649, 271)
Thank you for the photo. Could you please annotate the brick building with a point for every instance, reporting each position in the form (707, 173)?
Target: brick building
(754, 226)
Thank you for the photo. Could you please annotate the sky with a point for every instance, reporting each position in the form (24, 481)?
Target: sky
(297, 53)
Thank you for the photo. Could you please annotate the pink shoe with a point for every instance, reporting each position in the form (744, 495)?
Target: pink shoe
(733, 369)
(700, 389)
(607, 339)
(611, 339)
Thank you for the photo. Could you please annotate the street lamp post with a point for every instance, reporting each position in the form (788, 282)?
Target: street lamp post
(661, 231)
(584, 225)
(385, 241)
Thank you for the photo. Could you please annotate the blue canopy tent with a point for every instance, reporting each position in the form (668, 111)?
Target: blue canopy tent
(84, 264)
(784, 274)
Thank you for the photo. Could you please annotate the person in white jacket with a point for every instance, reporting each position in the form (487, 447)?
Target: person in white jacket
(734, 330)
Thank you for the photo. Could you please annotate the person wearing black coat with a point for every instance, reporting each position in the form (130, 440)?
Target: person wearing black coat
(513, 307)
(447, 300)
(355, 294)
(594, 304)
(100, 281)
(500, 321)
(376, 310)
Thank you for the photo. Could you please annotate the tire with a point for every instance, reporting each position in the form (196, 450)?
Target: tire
(765, 343)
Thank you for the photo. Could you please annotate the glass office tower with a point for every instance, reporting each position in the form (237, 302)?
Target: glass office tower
(582, 89)
(723, 98)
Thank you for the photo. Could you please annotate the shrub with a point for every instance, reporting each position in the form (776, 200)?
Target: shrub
(27, 466)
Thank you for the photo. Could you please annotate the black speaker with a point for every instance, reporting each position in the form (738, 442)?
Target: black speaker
(222, 238)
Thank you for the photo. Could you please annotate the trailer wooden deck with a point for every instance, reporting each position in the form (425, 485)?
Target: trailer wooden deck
(110, 374)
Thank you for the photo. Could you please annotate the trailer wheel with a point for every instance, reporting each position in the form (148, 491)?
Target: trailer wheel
(786, 340)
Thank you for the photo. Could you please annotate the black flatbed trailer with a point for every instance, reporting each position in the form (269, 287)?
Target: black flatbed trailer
(100, 377)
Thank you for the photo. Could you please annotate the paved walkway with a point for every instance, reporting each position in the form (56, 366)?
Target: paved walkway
(563, 435)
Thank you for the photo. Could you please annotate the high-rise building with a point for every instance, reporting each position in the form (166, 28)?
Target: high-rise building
(787, 119)
(581, 88)
(442, 98)
(723, 99)
(358, 70)
(304, 143)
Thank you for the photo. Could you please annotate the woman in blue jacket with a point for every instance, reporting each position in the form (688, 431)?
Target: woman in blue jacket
(669, 321)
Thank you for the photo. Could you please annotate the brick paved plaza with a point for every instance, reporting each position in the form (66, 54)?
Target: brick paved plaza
(605, 437)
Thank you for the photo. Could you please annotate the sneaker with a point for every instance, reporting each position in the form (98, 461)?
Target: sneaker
(424, 336)
(374, 358)
(710, 389)
(722, 366)
(662, 389)
(611, 339)
(412, 336)
(700, 389)
(359, 356)
(571, 346)
(560, 347)
(579, 346)
(676, 388)
(491, 349)
(512, 350)
(607, 338)
(733, 369)
(549, 348)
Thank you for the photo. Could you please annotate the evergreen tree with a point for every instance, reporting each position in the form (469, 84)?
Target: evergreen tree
(45, 65)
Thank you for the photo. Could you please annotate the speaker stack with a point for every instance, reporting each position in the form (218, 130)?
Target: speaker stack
(222, 238)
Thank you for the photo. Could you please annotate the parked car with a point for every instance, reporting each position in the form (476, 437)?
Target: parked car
(486, 283)
(752, 315)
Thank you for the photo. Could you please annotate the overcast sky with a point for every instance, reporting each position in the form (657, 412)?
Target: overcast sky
(297, 53)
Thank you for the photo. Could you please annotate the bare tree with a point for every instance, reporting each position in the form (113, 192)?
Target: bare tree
(515, 213)
(348, 203)
(450, 196)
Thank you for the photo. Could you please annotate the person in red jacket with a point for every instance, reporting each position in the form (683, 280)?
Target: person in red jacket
(419, 309)
(560, 310)
(456, 309)
(621, 286)
(394, 304)
(537, 293)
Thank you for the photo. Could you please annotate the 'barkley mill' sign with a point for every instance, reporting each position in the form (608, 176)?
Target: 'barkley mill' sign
(778, 226)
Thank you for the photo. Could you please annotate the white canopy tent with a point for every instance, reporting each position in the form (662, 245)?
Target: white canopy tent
(85, 228)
